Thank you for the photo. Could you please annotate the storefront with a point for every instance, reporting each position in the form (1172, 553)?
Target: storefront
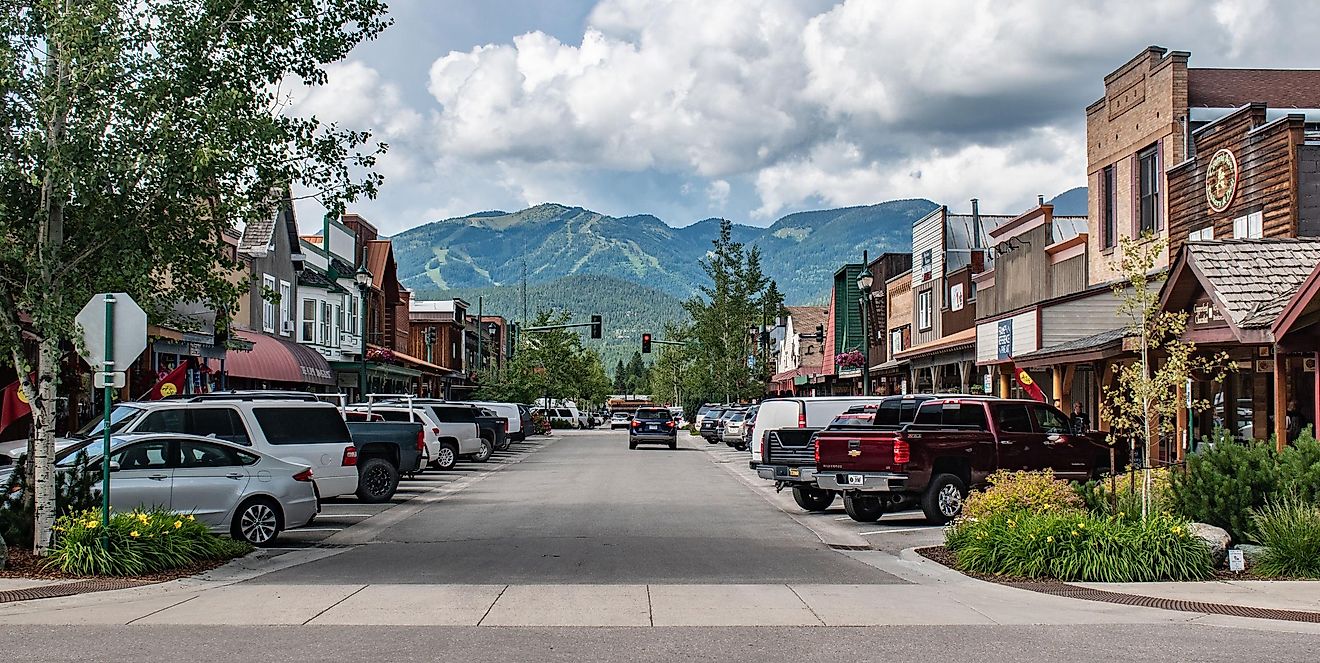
(943, 366)
(274, 363)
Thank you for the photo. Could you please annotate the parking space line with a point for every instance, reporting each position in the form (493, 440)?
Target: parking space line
(895, 531)
(317, 529)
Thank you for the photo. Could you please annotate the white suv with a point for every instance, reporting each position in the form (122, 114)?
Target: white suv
(299, 430)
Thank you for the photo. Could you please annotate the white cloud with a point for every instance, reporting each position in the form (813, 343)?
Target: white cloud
(797, 102)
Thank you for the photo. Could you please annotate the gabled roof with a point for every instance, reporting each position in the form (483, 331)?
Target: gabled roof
(379, 254)
(1250, 281)
(314, 278)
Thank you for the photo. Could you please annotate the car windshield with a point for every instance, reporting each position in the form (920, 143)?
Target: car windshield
(121, 417)
(654, 415)
(736, 416)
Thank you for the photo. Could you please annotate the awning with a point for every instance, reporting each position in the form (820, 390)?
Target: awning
(890, 366)
(1088, 348)
(413, 361)
(277, 360)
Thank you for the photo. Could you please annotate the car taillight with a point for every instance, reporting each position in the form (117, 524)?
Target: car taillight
(636, 424)
(305, 475)
(669, 424)
(817, 445)
(902, 452)
(802, 419)
(350, 456)
(421, 441)
(506, 425)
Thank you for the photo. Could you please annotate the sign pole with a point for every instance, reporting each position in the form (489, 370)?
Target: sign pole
(108, 367)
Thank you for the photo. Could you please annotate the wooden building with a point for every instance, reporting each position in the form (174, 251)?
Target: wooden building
(877, 350)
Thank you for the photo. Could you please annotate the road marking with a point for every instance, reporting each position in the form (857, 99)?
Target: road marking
(317, 529)
(347, 515)
(844, 518)
(894, 531)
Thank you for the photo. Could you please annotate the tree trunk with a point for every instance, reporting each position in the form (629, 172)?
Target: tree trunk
(43, 456)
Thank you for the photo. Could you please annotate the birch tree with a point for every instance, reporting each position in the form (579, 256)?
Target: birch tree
(136, 132)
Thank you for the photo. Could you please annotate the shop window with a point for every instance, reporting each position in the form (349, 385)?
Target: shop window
(1251, 226)
(1108, 206)
(1148, 183)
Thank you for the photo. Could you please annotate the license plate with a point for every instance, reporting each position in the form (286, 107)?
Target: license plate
(856, 479)
(651, 428)
(793, 472)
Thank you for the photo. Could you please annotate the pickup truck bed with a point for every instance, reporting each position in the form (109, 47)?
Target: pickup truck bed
(385, 450)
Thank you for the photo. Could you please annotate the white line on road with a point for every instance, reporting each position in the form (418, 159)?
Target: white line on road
(894, 531)
(317, 529)
(346, 515)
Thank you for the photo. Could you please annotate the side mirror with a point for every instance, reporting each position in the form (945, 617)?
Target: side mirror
(114, 467)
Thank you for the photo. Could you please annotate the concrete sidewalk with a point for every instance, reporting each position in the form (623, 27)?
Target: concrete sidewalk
(1276, 594)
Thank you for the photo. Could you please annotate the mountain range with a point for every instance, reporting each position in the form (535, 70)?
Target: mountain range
(635, 270)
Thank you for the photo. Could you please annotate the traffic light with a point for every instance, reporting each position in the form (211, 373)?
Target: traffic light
(596, 326)
(820, 333)
(646, 343)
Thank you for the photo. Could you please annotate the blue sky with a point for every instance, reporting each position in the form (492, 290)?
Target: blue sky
(747, 109)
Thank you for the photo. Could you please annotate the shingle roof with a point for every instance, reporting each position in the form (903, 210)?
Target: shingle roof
(315, 279)
(1255, 278)
(257, 235)
(1092, 342)
(1230, 88)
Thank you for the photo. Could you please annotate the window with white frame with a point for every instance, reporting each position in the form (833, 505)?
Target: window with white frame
(1251, 226)
(309, 321)
(351, 315)
(334, 328)
(286, 292)
(325, 323)
(1202, 235)
(268, 290)
(923, 310)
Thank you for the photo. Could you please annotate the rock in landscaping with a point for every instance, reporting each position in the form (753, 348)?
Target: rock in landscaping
(1215, 537)
(1250, 552)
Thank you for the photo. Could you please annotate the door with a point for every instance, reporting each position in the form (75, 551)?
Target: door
(1058, 449)
(144, 476)
(210, 480)
(1016, 435)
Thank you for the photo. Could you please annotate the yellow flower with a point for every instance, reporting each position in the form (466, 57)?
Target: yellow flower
(1049, 539)
(190, 517)
(1082, 525)
(1074, 532)
(133, 534)
(1120, 514)
(92, 524)
(177, 524)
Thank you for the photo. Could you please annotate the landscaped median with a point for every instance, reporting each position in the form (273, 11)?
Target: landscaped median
(1028, 525)
(155, 544)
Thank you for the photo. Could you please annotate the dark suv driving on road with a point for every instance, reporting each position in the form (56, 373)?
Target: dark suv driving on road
(653, 426)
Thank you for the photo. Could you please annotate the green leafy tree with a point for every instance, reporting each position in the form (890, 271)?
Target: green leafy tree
(551, 364)
(135, 134)
(668, 376)
(724, 317)
(1143, 404)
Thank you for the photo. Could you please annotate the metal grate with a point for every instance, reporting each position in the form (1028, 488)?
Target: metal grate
(1088, 594)
(69, 589)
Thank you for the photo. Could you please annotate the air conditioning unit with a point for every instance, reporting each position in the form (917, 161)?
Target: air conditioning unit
(287, 327)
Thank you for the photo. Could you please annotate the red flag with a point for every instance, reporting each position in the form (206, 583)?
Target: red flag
(171, 384)
(1029, 385)
(13, 405)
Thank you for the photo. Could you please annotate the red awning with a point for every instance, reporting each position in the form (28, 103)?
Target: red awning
(277, 360)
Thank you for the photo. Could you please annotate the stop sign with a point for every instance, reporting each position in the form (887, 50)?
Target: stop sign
(128, 337)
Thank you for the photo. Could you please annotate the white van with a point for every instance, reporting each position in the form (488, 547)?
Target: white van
(804, 412)
(508, 411)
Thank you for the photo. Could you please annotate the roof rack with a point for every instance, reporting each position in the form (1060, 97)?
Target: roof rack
(255, 395)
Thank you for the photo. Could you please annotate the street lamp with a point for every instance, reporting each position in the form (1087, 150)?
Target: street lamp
(363, 279)
(864, 283)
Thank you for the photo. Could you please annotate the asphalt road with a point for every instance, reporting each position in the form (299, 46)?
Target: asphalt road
(940, 644)
(587, 510)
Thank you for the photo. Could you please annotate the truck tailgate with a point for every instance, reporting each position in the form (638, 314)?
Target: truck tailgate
(858, 450)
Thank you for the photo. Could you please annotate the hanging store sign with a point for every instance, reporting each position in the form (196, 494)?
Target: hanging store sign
(1221, 180)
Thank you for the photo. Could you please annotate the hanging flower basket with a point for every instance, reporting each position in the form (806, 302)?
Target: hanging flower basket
(382, 355)
(851, 359)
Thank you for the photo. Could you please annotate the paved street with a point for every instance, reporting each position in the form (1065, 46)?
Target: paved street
(577, 549)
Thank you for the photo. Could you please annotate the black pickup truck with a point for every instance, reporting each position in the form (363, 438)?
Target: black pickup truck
(385, 450)
(493, 428)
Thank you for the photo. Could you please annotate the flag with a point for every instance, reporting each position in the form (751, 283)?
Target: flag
(13, 405)
(171, 384)
(1029, 385)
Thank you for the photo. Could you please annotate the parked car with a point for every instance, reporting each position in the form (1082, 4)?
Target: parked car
(952, 445)
(493, 429)
(732, 432)
(710, 425)
(455, 426)
(799, 412)
(652, 426)
(620, 420)
(231, 488)
(512, 413)
(704, 410)
(748, 422)
(787, 455)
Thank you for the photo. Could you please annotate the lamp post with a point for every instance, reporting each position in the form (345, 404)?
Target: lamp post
(864, 283)
(363, 279)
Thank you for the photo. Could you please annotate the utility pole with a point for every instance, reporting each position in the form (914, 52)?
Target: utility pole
(481, 331)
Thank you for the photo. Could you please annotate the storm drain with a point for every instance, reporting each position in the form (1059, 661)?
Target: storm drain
(1089, 594)
(69, 589)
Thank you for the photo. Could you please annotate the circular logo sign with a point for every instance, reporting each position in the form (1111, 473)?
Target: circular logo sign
(22, 397)
(1025, 377)
(168, 389)
(1221, 180)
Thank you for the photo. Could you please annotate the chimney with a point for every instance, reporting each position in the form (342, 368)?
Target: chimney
(976, 224)
(1040, 200)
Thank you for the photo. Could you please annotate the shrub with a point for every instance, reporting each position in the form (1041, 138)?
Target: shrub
(1299, 468)
(139, 542)
(1033, 492)
(1289, 528)
(1221, 485)
(74, 491)
(1078, 547)
(1122, 497)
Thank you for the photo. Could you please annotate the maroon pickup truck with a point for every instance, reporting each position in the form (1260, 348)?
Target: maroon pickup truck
(952, 445)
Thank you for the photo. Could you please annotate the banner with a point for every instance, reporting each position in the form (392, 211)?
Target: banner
(170, 385)
(1028, 385)
(13, 405)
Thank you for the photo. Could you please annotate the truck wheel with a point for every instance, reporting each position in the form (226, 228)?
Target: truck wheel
(712, 441)
(377, 480)
(446, 457)
(740, 447)
(632, 445)
(813, 499)
(483, 454)
(673, 444)
(943, 500)
(862, 507)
